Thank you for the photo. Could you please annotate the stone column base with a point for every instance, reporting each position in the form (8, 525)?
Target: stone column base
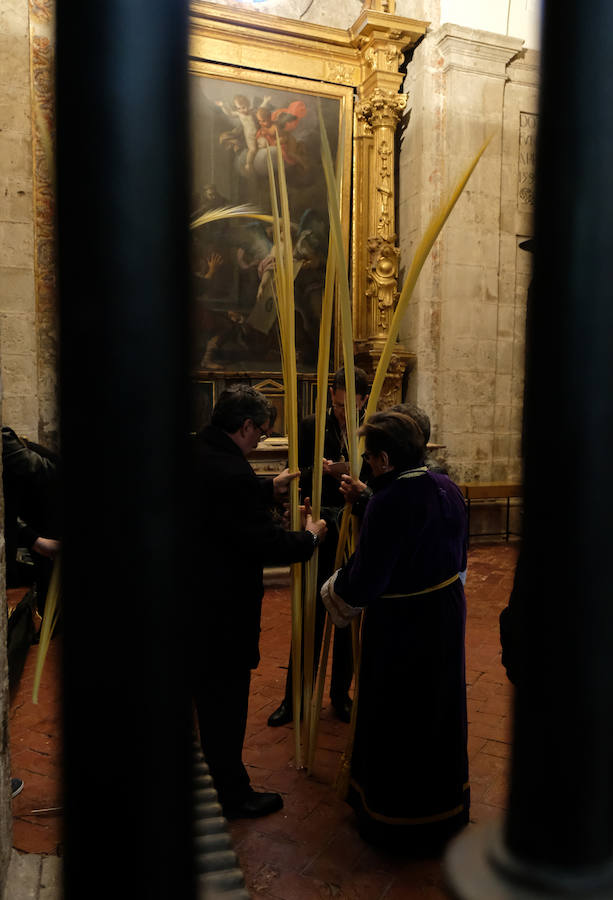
(479, 866)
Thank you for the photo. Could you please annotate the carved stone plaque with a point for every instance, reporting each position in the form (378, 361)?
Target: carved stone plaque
(528, 123)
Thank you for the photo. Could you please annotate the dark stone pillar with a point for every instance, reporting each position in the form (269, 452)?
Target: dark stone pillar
(122, 214)
(558, 834)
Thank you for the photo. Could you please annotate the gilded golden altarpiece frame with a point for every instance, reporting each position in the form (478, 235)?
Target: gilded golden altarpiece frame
(360, 68)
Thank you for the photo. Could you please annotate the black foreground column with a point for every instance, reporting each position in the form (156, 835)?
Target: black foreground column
(558, 836)
(122, 213)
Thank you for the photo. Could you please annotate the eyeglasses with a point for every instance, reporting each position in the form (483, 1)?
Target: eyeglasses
(263, 431)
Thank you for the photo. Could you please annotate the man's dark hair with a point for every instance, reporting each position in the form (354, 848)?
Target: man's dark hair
(361, 381)
(239, 403)
(399, 435)
(410, 409)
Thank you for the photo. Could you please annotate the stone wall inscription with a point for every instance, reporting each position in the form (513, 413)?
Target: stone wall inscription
(527, 159)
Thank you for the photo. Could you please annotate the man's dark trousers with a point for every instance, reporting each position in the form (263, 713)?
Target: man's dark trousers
(224, 703)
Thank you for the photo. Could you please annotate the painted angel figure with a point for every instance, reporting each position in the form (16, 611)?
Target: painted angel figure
(242, 110)
(282, 122)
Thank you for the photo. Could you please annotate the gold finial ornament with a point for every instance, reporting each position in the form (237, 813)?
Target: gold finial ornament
(384, 6)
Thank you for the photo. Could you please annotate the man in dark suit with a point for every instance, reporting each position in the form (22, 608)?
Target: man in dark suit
(235, 536)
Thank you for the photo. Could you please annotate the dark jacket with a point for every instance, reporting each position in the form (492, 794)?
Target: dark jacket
(413, 537)
(235, 536)
(31, 485)
(334, 449)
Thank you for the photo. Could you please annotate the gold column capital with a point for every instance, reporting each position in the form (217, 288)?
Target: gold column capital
(381, 107)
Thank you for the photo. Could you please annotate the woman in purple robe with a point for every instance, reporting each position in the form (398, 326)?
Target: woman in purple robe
(409, 767)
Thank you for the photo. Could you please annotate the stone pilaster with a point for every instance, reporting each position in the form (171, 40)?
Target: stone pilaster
(465, 348)
(474, 65)
(520, 123)
(17, 295)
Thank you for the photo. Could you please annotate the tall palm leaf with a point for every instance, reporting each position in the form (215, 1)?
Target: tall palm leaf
(284, 292)
(351, 416)
(50, 619)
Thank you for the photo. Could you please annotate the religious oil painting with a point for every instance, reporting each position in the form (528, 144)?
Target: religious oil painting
(235, 124)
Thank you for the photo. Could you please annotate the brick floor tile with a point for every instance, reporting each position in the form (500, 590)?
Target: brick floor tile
(301, 887)
(475, 744)
(497, 793)
(482, 812)
(278, 850)
(338, 858)
(494, 704)
(37, 836)
(489, 779)
(258, 737)
(492, 727)
(419, 880)
(481, 690)
(28, 760)
(318, 826)
(311, 848)
(487, 767)
(364, 884)
(39, 792)
(285, 781)
(498, 748)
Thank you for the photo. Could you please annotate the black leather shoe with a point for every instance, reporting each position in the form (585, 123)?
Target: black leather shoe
(342, 708)
(281, 716)
(257, 803)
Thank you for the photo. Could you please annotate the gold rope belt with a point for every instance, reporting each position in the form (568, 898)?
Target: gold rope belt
(437, 587)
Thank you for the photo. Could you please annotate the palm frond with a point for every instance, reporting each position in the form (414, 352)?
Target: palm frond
(310, 593)
(421, 254)
(344, 295)
(333, 178)
(50, 619)
(284, 293)
(242, 211)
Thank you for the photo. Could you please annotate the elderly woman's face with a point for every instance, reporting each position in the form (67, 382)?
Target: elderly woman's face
(378, 462)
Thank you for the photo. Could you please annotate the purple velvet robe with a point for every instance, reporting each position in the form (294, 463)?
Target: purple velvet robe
(409, 773)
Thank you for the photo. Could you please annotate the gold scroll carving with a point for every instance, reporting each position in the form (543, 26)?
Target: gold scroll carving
(383, 40)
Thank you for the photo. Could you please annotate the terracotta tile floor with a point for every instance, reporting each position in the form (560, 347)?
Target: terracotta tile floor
(35, 736)
(311, 849)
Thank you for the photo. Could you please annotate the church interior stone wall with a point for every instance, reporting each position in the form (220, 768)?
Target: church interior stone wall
(28, 305)
(18, 345)
(466, 321)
